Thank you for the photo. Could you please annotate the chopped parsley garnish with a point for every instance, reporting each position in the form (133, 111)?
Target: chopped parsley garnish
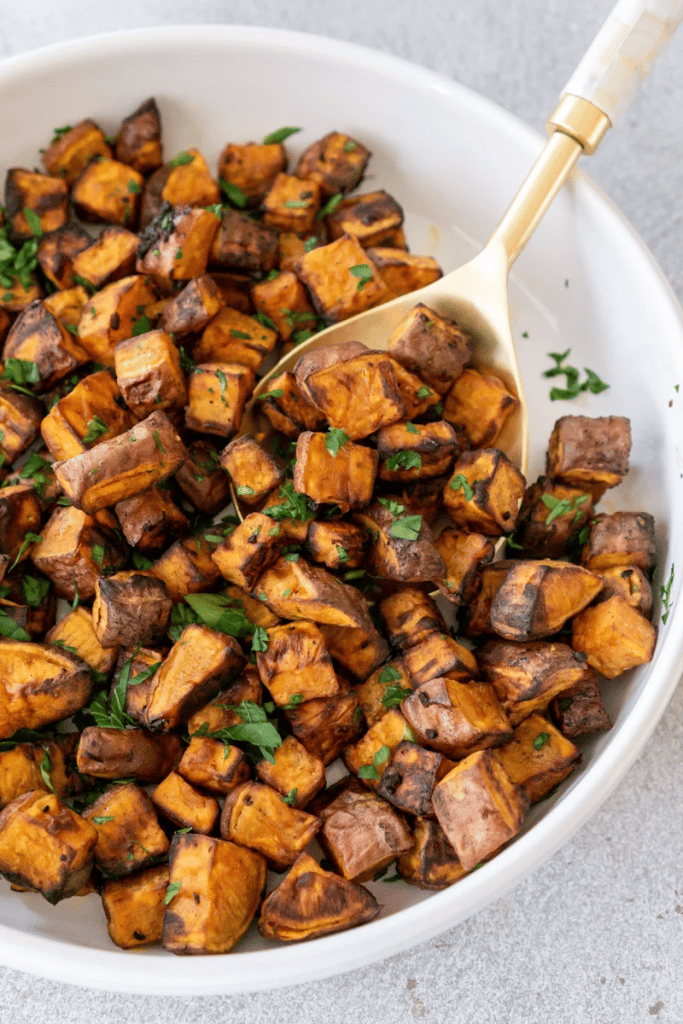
(17, 264)
(234, 195)
(38, 470)
(33, 221)
(573, 387)
(395, 507)
(665, 593)
(96, 427)
(134, 187)
(217, 611)
(294, 700)
(335, 440)
(10, 629)
(563, 506)
(407, 528)
(350, 146)
(45, 769)
(389, 674)
(98, 554)
(59, 132)
(363, 272)
(29, 538)
(291, 797)
(342, 554)
(34, 590)
(21, 372)
(181, 159)
(541, 740)
(395, 695)
(330, 206)
(141, 326)
(292, 505)
(114, 716)
(259, 641)
(279, 136)
(425, 392)
(140, 561)
(255, 730)
(185, 361)
(277, 393)
(411, 428)
(240, 334)
(158, 443)
(102, 819)
(460, 482)
(295, 204)
(264, 320)
(369, 771)
(310, 243)
(244, 491)
(404, 460)
(172, 890)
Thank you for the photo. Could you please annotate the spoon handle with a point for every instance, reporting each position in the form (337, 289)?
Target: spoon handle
(623, 53)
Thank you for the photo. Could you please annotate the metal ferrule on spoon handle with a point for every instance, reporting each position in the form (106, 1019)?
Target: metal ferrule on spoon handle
(606, 80)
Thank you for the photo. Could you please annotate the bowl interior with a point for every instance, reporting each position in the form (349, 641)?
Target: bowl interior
(454, 161)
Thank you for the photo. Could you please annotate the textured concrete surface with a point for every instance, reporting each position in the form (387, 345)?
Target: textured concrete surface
(596, 935)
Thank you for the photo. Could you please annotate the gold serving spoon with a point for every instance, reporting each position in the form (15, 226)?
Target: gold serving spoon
(475, 295)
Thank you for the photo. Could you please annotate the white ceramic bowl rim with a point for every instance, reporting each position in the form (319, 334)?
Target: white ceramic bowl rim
(119, 971)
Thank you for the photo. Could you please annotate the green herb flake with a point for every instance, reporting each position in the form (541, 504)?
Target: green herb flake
(102, 819)
(172, 890)
(665, 594)
(310, 243)
(133, 186)
(182, 159)
(34, 590)
(291, 797)
(244, 491)
(563, 506)
(259, 641)
(29, 538)
(33, 221)
(96, 427)
(59, 132)
(292, 505)
(460, 482)
(277, 393)
(407, 528)
(541, 740)
(363, 272)
(294, 700)
(279, 136)
(390, 675)
(45, 769)
(98, 554)
(158, 443)
(573, 387)
(350, 146)
(404, 460)
(330, 206)
(425, 392)
(141, 326)
(411, 428)
(234, 195)
(395, 695)
(335, 439)
(296, 204)
(21, 371)
(395, 507)
(217, 612)
(343, 555)
(240, 334)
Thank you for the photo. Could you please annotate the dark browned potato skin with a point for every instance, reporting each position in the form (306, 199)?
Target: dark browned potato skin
(127, 753)
(591, 453)
(130, 609)
(432, 863)
(138, 142)
(398, 558)
(40, 684)
(430, 346)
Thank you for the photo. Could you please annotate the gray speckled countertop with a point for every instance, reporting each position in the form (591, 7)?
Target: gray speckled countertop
(596, 934)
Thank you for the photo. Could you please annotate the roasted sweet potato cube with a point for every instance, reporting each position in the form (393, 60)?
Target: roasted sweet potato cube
(183, 181)
(361, 834)
(623, 538)
(85, 417)
(200, 664)
(358, 650)
(67, 307)
(211, 765)
(108, 190)
(254, 545)
(74, 552)
(439, 655)
(410, 616)
(358, 396)
(141, 664)
(313, 594)
(187, 567)
(201, 478)
(550, 516)
(526, 677)
(369, 756)
(40, 821)
(44, 196)
(20, 769)
(73, 148)
(330, 472)
(463, 554)
(58, 250)
(124, 466)
(326, 725)
(479, 404)
(256, 611)
(193, 307)
(416, 451)
(138, 142)
(296, 774)
(110, 315)
(176, 244)
(217, 395)
(384, 689)
(455, 718)
(484, 589)
(402, 272)
(478, 807)
(253, 471)
(432, 863)
(323, 358)
(614, 636)
(127, 753)
(39, 684)
(337, 544)
(370, 218)
(149, 373)
(244, 244)
(233, 337)
(256, 816)
(284, 300)
(20, 294)
(311, 902)
(184, 805)
(129, 836)
(336, 162)
(589, 453)
(580, 710)
(252, 168)
(20, 418)
(538, 757)
(431, 346)
(291, 204)
(19, 515)
(134, 907)
(342, 280)
(408, 780)
(631, 583)
(296, 665)
(402, 546)
(37, 336)
(484, 492)
(149, 519)
(287, 408)
(292, 247)
(76, 631)
(130, 608)
(216, 889)
(108, 259)
(537, 598)
(219, 714)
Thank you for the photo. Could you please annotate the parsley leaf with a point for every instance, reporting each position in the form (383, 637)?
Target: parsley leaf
(217, 612)
(392, 506)
(34, 590)
(343, 555)
(33, 221)
(172, 890)
(10, 629)
(96, 427)
(335, 440)
(395, 695)
(234, 195)
(330, 206)
(404, 460)
(254, 730)
(279, 136)
(102, 819)
(573, 388)
(541, 740)
(389, 674)
(563, 506)
(29, 538)
(277, 393)
(293, 505)
(665, 594)
(407, 528)
(181, 159)
(460, 482)
(363, 272)
(259, 641)
(158, 442)
(21, 371)
(369, 771)
(291, 797)
(411, 428)
(45, 769)
(425, 392)
(141, 326)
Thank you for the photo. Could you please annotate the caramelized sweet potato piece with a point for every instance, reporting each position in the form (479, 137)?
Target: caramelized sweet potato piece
(463, 554)
(485, 587)
(478, 807)
(39, 684)
(20, 418)
(361, 834)
(124, 466)
(432, 863)
(385, 688)
(410, 616)
(402, 272)
(109, 258)
(73, 148)
(326, 725)
(369, 756)
(110, 316)
(538, 757)
(484, 492)
(371, 219)
(58, 250)
(536, 598)
(345, 476)
(233, 337)
(127, 753)
(358, 396)
(341, 279)
(253, 471)
(256, 816)
(183, 181)
(288, 409)
(358, 650)
(130, 608)
(284, 300)
(198, 666)
(526, 677)
(218, 713)
(323, 358)
(19, 515)
(408, 780)
(580, 710)
(85, 417)
(134, 907)
(416, 451)
(614, 636)
(217, 395)
(311, 902)
(184, 805)
(456, 718)
(149, 519)
(337, 544)
(176, 244)
(431, 346)
(296, 774)
(313, 594)
(402, 547)
(76, 631)
(589, 453)
(217, 889)
(74, 551)
(209, 764)
(193, 307)
(336, 162)
(138, 142)
(187, 567)
(479, 404)
(252, 547)
(623, 538)
(40, 821)
(137, 661)
(129, 836)
(550, 516)
(631, 583)
(295, 665)
(108, 190)
(149, 373)
(291, 204)
(439, 655)
(252, 168)
(244, 244)
(44, 196)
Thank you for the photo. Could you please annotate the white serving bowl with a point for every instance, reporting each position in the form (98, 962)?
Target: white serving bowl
(585, 282)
